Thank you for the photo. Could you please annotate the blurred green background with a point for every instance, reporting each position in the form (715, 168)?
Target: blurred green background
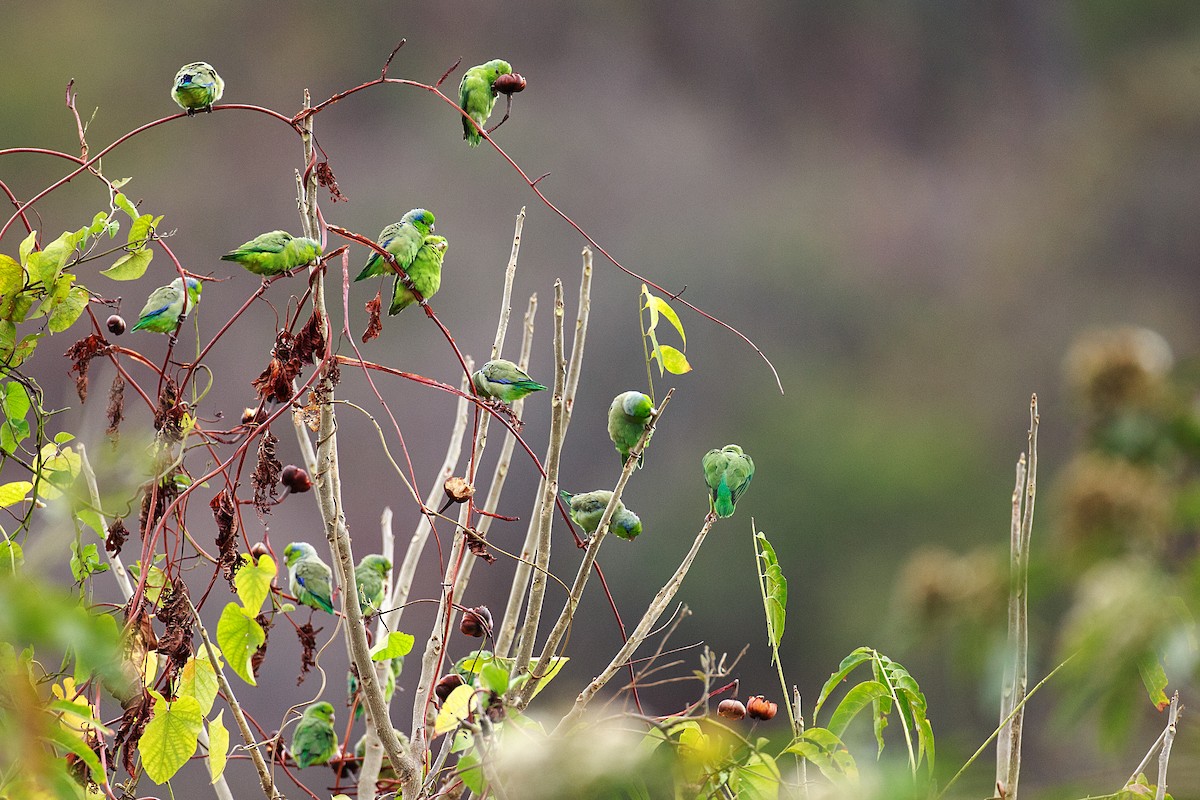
(912, 208)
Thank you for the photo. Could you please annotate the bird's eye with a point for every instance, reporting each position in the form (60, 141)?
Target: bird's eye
(186, 79)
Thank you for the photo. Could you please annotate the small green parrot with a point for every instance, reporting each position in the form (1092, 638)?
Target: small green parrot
(477, 96)
(588, 508)
(395, 665)
(504, 380)
(371, 575)
(386, 771)
(310, 579)
(197, 86)
(425, 271)
(727, 472)
(315, 741)
(275, 252)
(402, 239)
(625, 524)
(164, 308)
(628, 416)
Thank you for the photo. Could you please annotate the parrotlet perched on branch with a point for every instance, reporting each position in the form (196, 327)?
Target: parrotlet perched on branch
(371, 575)
(588, 508)
(309, 578)
(504, 380)
(197, 86)
(165, 306)
(727, 472)
(275, 252)
(402, 239)
(477, 96)
(425, 271)
(315, 740)
(628, 416)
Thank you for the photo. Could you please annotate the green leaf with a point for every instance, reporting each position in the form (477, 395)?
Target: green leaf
(454, 710)
(218, 746)
(45, 265)
(11, 557)
(253, 582)
(99, 223)
(140, 230)
(239, 635)
(85, 561)
(494, 678)
(657, 306)
(59, 469)
(13, 493)
(130, 266)
(1154, 677)
(198, 679)
(859, 656)
(12, 281)
(825, 751)
(92, 519)
(556, 664)
(27, 246)
(68, 309)
(858, 698)
(170, 737)
(470, 770)
(774, 586)
(397, 644)
(672, 360)
(757, 778)
(70, 741)
(16, 405)
(123, 203)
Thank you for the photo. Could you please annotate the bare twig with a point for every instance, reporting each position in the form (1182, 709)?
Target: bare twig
(657, 606)
(114, 559)
(368, 773)
(1164, 756)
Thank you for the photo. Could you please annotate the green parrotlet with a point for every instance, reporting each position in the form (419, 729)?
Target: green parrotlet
(504, 380)
(310, 579)
(386, 771)
(628, 416)
(587, 509)
(165, 306)
(371, 574)
(727, 472)
(402, 239)
(197, 86)
(477, 96)
(275, 252)
(315, 741)
(425, 271)
(395, 665)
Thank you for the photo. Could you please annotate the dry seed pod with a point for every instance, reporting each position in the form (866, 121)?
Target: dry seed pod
(731, 709)
(116, 324)
(759, 707)
(458, 490)
(295, 479)
(476, 622)
(509, 84)
(446, 685)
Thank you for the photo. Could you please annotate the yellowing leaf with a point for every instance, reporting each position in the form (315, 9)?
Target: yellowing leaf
(11, 557)
(123, 203)
(218, 746)
(130, 266)
(68, 310)
(454, 710)
(657, 306)
(253, 582)
(556, 664)
(239, 636)
(13, 493)
(671, 360)
(27, 246)
(199, 680)
(170, 737)
(397, 644)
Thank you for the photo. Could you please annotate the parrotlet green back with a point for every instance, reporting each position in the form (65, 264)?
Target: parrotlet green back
(310, 579)
(504, 380)
(727, 472)
(627, 419)
(371, 574)
(315, 741)
(478, 98)
(588, 508)
(402, 239)
(425, 271)
(275, 252)
(165, 306)
(197, 86)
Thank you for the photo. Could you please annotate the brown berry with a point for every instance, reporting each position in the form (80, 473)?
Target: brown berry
(295, 479)
(458, 490)
(732, 709)
(446, 685)
(116, 324)
(476, 622)
(759, 707)
(258, 550)
(509, 84)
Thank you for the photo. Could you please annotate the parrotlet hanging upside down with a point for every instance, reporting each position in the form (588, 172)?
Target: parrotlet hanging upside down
(165, 306)
(275, 252)
(197, 86)
(477, 96)
(309, 578)
(727, 472)
(587, 509)
(628, 416)
(402, 239)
